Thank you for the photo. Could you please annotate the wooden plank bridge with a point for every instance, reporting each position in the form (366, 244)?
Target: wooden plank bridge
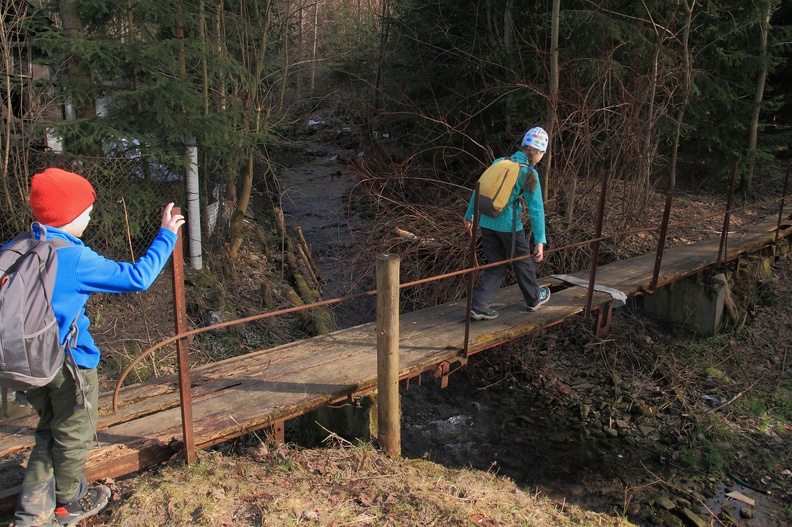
(265, 388)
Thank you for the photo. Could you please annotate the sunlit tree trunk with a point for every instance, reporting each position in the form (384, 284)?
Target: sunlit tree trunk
(252, 100)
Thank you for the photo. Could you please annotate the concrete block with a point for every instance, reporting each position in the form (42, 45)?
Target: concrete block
(698, 307)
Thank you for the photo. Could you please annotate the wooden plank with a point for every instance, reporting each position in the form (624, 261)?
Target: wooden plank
(297, 377)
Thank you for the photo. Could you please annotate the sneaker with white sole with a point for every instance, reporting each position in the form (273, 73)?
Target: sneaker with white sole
(89, 505)
(483, 315)
(544, 296)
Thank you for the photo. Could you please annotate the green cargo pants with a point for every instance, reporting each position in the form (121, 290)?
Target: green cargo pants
(62, 438)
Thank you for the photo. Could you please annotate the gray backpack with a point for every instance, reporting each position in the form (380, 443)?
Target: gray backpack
(30, 352)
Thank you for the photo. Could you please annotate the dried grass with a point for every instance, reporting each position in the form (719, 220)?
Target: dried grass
(340, 485)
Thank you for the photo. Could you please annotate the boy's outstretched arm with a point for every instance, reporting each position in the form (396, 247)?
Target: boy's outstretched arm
(170, 221)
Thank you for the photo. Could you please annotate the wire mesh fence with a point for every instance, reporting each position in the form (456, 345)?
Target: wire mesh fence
(130, 195)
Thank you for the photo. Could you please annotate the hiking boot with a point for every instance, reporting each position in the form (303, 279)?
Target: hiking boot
(483, 315)
(544, 296)
(89, 505)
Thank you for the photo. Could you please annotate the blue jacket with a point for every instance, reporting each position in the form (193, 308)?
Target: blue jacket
(505, 222)
(81, 271)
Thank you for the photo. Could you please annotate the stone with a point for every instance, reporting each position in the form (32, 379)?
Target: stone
(665, 503)
(746, 513)
(694, 518)
(640, 409)
(646, 431)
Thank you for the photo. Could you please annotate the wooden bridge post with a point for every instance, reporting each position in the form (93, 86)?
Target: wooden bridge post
(388, 407)
(182, 351)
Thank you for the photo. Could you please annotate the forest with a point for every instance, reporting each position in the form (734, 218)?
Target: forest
(651, 92)
(416, 98)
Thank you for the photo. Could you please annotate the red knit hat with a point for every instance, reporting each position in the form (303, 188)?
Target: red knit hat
(57, 196)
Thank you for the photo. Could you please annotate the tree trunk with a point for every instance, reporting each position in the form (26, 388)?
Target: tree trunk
(688, 74)
(753, 128)
(508, 26)
(252, 100)
(79, 75)
(552, 107)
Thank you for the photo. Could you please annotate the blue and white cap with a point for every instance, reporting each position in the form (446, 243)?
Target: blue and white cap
(536, 138)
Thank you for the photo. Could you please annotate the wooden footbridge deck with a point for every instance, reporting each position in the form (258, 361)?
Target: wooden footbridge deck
(265, 388)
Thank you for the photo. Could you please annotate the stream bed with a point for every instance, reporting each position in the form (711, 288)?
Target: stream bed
(577, 451)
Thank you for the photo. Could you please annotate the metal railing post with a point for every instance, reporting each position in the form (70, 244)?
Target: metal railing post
(473, 263)
(595, 249)
(182, 348)
(727, 216)
(661, 243)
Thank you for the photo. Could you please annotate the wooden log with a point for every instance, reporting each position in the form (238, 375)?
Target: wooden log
(388, 407)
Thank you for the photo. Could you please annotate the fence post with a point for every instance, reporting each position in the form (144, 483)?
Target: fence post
(182, 349)
(726, 217)
(388, 407)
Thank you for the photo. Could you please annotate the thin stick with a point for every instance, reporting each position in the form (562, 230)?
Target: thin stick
(738, 395)
(140, 299)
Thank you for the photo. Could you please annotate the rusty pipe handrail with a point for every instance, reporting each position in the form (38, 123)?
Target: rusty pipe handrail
(295, 309)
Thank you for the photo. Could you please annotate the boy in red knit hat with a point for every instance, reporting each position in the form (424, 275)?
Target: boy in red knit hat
(55, 490)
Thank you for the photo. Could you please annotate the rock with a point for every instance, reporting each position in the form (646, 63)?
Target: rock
(665, 519)
(622, 424)
(611, 432)
(727, 519)
(693, 518)
(643, 410)
(746, 513)
(665, 503)
(633, 509)
(646, 431)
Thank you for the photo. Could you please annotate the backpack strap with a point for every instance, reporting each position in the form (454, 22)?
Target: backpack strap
(514, 216)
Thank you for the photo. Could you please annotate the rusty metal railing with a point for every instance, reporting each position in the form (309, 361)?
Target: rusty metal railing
(182, 333)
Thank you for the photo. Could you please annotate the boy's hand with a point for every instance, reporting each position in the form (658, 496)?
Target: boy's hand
(172, 222)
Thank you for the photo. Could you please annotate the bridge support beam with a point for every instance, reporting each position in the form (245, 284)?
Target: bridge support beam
(353, 419)
(694, 304)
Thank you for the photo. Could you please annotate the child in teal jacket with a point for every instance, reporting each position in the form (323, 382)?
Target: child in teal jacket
(504, 237)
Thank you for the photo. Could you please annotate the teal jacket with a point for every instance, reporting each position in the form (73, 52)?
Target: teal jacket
(505, 222)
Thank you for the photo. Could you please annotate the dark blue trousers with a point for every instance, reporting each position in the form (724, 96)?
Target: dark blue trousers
(497, 247)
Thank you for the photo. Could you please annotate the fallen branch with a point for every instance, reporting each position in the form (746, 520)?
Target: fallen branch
(738, 395)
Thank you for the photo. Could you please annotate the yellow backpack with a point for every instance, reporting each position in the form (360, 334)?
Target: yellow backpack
(495, 186)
